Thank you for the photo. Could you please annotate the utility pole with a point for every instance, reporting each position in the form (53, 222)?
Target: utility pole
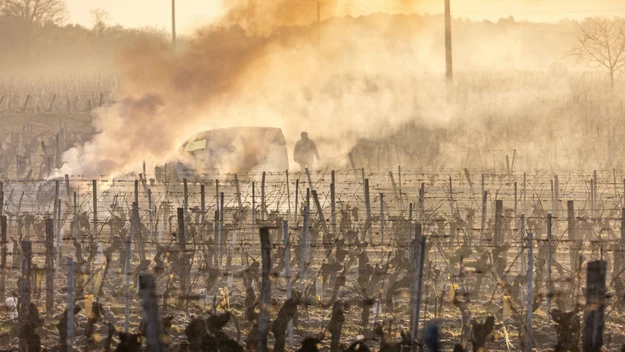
(173, 24)
(318, 24)
(448, 56)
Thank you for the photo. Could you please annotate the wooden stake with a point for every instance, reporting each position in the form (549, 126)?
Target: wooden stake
(304, 249)
(182, 243)
(137, 192)
(265, 290)
(127, 285)
(483, 227)
(147, 292)
(416, 294)
(572, 231)
(95, 208)
(185, 196)
(549, 257)
(263, 204)
(24, 302)
(253, 208)
(49, 268)
(594, 312)
(421, 203)
(287, 272)
(68, 191)
(530, 295)
(498, 221)
(3, 256)
(203, 209)
(295, 219)
(382, 218)
(333, 203)
(70, 304)
(288, 194)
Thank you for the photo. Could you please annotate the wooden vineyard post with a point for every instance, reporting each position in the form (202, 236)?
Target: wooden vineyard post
(24, 304)
(49, 267)
(217, 254)
(263, 204)
(57, 153)
(451, 200)
(614, 178)
(127, 286)
(333, 203)
(253, 210)
(530, 294)
(524, 193)
(401, 199)
(522, 244)
(287, 272)
(367, 204)
(3, 256)
(1, 198)
(483, 184)
(421, 203)
(185, 204)
(222, 234)
(59, 236)
(483, 226)
(410, 211)
(137, 192)
(322, 219)
(57, 186)
(95, 208)
(595, 196)
(419, 250)
(295, 220)
(549, 256)
(70, 304)
(238, 190)
(304, 249)
(553, 197)
(288, 193)
(265, 290)
(621, 248)
(498, 221)
(382, 218)
(68, 190)
(151, 215)
(556, 214)
(592, 200)
(75, 229)
(182, 243)
(594, 313)
(516, 214)
(572, 231)
(202, 209)
(147, 292)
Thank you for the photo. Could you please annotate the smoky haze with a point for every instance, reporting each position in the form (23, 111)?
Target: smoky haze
(353, 78)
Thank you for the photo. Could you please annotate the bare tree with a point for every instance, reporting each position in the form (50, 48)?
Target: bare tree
(33, 14)
(100, 19)
(602, 42)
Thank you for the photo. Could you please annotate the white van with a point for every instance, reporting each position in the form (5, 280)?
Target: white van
(227, 150)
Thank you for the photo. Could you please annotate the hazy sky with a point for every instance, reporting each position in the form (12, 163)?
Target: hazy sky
(194, 13)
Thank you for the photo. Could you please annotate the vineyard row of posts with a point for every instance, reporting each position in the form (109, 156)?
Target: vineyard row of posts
(306, 212)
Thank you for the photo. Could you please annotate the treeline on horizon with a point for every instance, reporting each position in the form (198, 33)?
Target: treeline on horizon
(507, 43)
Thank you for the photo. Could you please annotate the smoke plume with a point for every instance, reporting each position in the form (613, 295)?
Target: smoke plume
(267, 63)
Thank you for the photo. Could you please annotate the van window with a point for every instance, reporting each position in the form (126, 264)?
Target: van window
(196, 145)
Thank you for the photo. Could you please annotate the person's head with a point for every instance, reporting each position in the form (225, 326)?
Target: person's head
(304, 135)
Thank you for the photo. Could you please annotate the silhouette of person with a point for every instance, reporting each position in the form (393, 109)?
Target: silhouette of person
(305, 152)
